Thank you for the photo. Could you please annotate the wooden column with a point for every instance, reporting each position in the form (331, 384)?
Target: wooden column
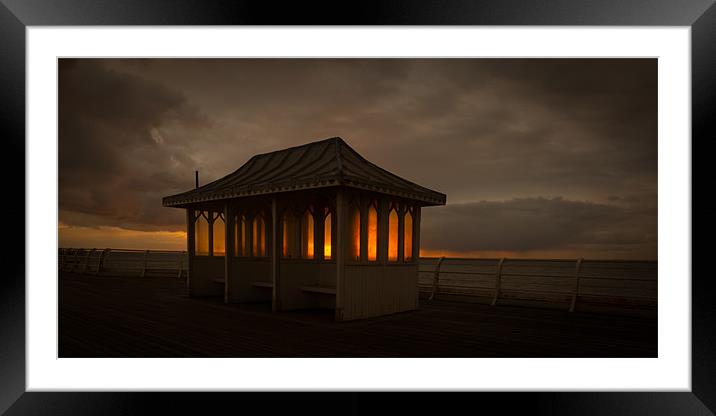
(339, 251)
(416, 248)
(228, 248)
(383, 210)
(268, 232)
(250, 234)
(363, 208)
(416, 234)
(211, 232)
(190, 247)
(275, 255)
(319, 218)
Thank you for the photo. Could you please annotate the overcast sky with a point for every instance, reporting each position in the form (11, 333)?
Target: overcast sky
(538, 157)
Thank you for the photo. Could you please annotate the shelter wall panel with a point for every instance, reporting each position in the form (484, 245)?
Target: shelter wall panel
(243, 273)
(327, 278)
(207, 270)
(327, 274)
(294, 275)
(375, 290)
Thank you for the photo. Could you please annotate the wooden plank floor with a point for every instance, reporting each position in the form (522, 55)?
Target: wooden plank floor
(153, 317)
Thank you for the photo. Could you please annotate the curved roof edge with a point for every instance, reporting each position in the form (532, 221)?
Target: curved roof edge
(320, 164)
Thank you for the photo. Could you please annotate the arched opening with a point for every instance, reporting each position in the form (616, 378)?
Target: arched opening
(372, 233)
(240, 241)
(393, 235)
(408, 236)
(219, 235)
(201, 234)
(288, 245)
(327, 236)
(259, 236)
(307, 235)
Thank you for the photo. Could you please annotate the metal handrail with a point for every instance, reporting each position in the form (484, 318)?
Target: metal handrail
(141, 262)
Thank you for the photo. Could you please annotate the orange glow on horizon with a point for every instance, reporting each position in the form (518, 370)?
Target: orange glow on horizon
(71, 236)
(74, 236)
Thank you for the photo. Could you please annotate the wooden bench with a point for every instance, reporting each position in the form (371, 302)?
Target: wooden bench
(256, 284)
(323, 290)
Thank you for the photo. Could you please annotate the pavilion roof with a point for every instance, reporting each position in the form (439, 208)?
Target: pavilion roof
(325, 163)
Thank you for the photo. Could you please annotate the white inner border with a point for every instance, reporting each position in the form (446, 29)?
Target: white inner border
(671, 371)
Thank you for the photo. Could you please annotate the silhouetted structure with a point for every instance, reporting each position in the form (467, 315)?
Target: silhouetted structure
(310, 226)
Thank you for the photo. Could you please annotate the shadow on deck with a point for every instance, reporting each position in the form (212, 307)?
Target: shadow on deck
(153, 317)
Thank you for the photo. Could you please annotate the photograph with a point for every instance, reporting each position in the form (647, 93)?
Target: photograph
(357, 207)
(227, 201)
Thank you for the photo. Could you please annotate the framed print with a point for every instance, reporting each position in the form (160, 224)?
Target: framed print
(492, 198)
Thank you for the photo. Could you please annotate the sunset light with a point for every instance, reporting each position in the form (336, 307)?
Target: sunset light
(408, 237)
(327, 237)
(393, 236)
(307, 242)
(372, 233)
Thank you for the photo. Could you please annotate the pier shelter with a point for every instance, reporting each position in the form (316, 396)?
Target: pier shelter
(312, 226)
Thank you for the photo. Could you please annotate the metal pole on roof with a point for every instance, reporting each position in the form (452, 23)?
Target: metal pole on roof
(196, 177)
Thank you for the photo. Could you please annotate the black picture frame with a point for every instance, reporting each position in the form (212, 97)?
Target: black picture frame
(15, 15)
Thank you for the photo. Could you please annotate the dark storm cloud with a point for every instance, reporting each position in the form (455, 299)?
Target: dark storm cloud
(114, 160)
(476, 129)
(541, 224)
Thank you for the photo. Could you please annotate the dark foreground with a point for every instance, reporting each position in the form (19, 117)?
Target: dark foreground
(153, 317)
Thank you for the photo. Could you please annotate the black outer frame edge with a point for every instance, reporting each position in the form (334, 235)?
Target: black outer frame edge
(507, 12)
(703, 135)
(366, 12)
(12, 132)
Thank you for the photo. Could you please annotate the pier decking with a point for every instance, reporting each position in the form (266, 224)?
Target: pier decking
(105, 316)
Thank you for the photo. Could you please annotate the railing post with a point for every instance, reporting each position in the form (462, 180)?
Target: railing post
(106, 258)
(181, 264)
(144, 267)
(498, 282)
(62, 259)
(75, 260)
(576, 285)
(436, 279)
(87, 259)
(100, 263)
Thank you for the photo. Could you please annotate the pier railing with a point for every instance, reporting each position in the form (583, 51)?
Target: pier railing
(123, 262)
(566, 283)
(620, 283)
